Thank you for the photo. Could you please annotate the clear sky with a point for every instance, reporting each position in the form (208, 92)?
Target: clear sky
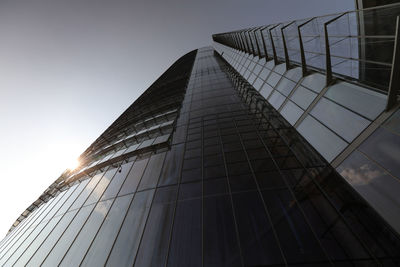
(69, 68)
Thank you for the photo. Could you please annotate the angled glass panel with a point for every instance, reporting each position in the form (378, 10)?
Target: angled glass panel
(276, 99)
(303, 97)
(383, 147)
(376, 185)
(285, 86)
(344, 122)
(328, 144)
(291, 112)
(315, 82)
(361, 100)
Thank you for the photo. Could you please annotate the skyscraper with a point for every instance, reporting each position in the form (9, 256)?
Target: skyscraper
(241, 154)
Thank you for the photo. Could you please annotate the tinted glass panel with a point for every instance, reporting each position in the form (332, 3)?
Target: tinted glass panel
(101, 246)
(153, 169)
(124, 250)
(133, 178)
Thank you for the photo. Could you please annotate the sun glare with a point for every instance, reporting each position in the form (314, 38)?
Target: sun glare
(73, 164)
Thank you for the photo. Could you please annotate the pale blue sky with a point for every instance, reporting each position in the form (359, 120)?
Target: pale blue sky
(69, 68)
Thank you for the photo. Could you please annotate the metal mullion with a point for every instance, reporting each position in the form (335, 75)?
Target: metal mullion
(287, 60)
(302, 54)
(78, 210)
(7, 248)
(45, 227)
(324, 194)
(326, 197)
(230, 195)
(275, 57)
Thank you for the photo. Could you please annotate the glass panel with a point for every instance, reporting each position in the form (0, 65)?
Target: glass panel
(258, 83)
(36, 242)
(133, 178)
(124, 250)
(72, 198)
(321, 138)
(258, 244)
(264, 73)
(86, 192)
(379, 188)
(384, 148)
(186, 242)
(82, 242)
(220, 244)
(172, 166)
(117, 181)
(363, 101)
(266, 90)
(285, 86)
(296, 238)
(48, 244)
(315, 82)
(344, 122)
(154, 250)
(276, 99)
(303, 97)
(101, 186)
(294, 74)
(58, 251)
(152, 173)
(393, 123)
(273, 79)
(291, 112)
(101, 246)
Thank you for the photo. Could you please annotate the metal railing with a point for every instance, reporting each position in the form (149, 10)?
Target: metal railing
(357, 46)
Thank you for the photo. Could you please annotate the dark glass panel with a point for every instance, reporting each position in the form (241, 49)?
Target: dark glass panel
(152, 172)
(172, 166)
(154, 246)
(384, 147)
(296, 238)
(257, 241)
(185, 249)
(125, 247)
(220, 244)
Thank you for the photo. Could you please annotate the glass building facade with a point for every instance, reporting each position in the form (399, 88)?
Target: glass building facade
(230, 158)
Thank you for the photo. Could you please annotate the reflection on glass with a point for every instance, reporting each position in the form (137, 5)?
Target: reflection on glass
(66, 239)
(101, 246)
(82, 242)
(133, 178)
(379, 188)
(124, 250)
(51, 239)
